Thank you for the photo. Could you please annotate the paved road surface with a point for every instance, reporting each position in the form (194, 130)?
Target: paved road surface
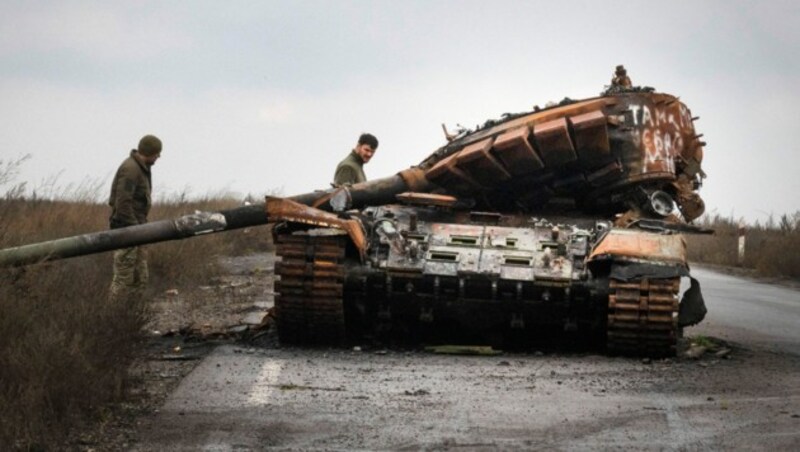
(748, 312)
(293, 399)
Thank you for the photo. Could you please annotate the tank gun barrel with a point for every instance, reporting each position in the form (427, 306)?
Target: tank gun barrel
(158, 231)
(199, 223)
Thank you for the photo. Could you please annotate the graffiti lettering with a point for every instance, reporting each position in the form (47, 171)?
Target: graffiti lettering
(647, 118)
(659, 131)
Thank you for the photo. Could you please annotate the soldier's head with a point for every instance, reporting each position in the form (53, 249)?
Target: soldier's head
(621, 70)
(366, 146)
(149, 149)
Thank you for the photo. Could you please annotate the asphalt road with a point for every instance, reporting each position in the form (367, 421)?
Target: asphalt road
(753, 314)
(294, 399)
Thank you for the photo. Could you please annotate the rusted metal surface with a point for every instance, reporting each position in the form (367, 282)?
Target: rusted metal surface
(595, 152)
(514, 149)
(591, 137)
(280, 209)
(447, 174)
(554, 143)
(427, 199)
(633, 244)
(415, 180)
(477, 160)
(643, 317)
(308, 302)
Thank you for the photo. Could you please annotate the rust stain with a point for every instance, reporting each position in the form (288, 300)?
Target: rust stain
(281, 209)
(427, 199)
(622, 243)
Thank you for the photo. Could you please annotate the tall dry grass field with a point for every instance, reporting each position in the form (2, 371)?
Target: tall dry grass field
(771, 248)
(64, 348)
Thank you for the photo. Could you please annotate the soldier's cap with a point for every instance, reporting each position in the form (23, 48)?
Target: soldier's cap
(149, 146)
(620, 69)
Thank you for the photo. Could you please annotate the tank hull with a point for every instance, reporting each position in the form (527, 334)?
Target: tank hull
(434, 275)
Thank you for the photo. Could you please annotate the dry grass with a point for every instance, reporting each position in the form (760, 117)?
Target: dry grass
(772, 248)
(64, 349)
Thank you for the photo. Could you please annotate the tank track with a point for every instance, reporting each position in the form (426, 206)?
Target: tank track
(643, 317)
(308, 300)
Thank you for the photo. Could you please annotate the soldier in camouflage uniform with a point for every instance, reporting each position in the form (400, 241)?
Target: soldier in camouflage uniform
(351, 170)
(130, 203)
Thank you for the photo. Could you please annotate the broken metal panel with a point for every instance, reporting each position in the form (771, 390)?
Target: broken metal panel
(447, 174)
(591, 136)
(633, 244)
(514, 149)
(281, 209)
(536, 117)
(477, 160)
(554, 143)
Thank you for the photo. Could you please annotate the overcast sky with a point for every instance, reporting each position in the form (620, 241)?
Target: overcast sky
(261, 96)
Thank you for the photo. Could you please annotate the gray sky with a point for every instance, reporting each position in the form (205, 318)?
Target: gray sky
(252, 97)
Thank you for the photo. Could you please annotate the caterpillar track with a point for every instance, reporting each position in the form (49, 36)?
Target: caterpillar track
(643, 317)
(309, 289)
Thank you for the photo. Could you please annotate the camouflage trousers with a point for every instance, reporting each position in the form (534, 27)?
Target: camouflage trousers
(130, 274)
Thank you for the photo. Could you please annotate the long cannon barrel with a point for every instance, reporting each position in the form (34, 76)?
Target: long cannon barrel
(367, 193)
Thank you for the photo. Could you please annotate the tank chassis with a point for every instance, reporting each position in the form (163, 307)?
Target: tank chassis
(558, 219)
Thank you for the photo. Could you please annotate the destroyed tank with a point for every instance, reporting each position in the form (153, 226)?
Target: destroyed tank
(561, 222)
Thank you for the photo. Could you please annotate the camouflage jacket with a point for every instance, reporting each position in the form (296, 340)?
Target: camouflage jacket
(130, 194)
(350, 170)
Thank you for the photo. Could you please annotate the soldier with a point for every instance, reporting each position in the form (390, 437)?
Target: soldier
(621, 78)
(351, 169)
(130, 203)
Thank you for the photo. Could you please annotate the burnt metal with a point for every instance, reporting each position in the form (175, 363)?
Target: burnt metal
(642, 317)
(693, 306)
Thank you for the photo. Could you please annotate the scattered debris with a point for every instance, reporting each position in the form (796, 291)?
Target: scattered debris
(695, 351)
(171, 292)
(254, 318)
(417, 392)
(723, 353)
(482, 350)
(238, 329)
